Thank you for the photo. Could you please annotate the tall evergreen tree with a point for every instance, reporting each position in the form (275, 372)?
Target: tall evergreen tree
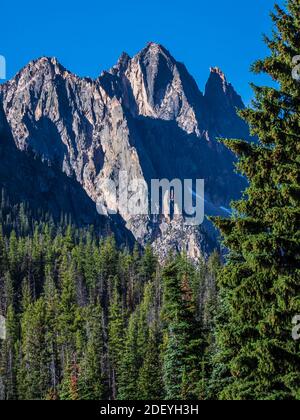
(7, 292)
(150, 381)
(129, 363)
(67, 320)
(260, 288)
(3, 254)
(148, 265)
(51, 332)
(183, 343)
(9, 356)
(91, 378)
(34, 374)
(116, 328)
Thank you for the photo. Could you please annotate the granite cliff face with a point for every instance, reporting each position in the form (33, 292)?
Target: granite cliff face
(145, 116)
(25, 177)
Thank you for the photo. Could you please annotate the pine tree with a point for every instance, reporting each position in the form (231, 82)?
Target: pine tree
(146, 317)
(26, 295)
(136, 348)
(8, 292)
(67, 320)
(8, 356)
(150, 381)
(51, 332)
(207, 309)
(129, 363)
(148, 265)
(36, 270)
(91, 378)
(3, 254)
(257, 358)
(34, 374)
(183, 345)
(13, 257)
(116, 327)
(69, 385)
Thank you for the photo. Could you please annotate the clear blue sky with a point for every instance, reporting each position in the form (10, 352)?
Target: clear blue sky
(88, 37)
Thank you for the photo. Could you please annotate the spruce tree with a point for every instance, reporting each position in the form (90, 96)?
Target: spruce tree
(91, 378)
(150, 381)
(3, 255)
(13, 257)
(183, 345)
(8, 291)
(116, 327)
(145, 317)
(260, 288)
(51, 332)
(69, 385)
(129, 362)
(34, 373)
(67, 319)
(9, 356)
(148, 265)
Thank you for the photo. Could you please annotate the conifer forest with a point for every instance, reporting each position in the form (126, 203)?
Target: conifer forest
(90, 315)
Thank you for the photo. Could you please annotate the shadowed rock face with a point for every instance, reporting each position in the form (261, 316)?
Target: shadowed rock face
(145, 116)
(42, 184)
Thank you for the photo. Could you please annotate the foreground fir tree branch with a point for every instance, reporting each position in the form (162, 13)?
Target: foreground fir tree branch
(257, 357)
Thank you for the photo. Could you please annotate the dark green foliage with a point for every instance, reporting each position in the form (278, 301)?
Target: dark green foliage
(91, 385)
(257, 357)
(8, 357)
(184, 344)
(88, 321)
(129, 366)
(116, 327)
(150, 381)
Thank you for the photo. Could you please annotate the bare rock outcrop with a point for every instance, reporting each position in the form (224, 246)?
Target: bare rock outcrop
(145, 116)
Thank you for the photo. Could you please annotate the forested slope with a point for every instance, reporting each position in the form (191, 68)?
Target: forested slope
(86, 320)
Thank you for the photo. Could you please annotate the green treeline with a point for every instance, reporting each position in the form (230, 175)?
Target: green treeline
(88, 321)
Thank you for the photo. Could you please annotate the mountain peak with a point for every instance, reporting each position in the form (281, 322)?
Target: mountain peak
(154, 46)
(223, 100)
(121, 65)
(155, 50)
(43, 66)
(217, 71)
(45, 61)
(124, 57)
(218, 84)
(218, 81)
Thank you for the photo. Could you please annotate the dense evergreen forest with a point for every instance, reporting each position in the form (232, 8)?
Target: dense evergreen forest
(86, 320)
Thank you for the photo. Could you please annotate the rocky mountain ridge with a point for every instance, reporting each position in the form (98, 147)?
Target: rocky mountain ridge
(145, 116)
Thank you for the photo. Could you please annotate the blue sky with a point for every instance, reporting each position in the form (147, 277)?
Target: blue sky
(88, 37)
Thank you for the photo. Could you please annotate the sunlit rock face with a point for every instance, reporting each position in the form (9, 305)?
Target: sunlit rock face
(145, 116)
